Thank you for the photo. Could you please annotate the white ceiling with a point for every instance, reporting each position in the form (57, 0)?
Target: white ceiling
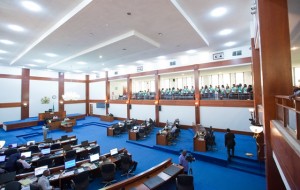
(121, 31)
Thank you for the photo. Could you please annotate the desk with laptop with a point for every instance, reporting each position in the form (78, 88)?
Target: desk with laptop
(62, 174)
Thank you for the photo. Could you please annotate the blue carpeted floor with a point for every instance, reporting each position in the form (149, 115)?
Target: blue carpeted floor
(207, 175)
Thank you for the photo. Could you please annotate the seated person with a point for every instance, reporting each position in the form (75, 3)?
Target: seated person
(43, 182)
(10, 164)
(125, 158)
(25, 164)
(103, 160)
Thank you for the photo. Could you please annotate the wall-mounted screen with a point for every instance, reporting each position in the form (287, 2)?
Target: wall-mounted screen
(100, 105)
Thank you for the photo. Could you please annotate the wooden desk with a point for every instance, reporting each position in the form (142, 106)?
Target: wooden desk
(110, 131)
(49, 115)
(199, 144)
(138, 182)
(68, 126)
(133, 135)
(161, 139)
(107, 118)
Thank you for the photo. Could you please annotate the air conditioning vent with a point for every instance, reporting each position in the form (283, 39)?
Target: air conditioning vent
(139, 69)
(237, 53)
(172, 63)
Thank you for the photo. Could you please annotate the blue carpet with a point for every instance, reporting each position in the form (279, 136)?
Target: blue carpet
(207, 175)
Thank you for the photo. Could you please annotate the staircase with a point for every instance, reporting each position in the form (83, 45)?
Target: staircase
(247, 165)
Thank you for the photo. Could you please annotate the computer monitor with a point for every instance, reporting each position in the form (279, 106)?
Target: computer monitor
(94, 157)
(85, 143)
(2, 158)
(14, 145)
(67, 147)
(70, 164)
(39, 171)
(64, 137)
(30, 143)
(26, 154)
(45, 151)
(114, 152)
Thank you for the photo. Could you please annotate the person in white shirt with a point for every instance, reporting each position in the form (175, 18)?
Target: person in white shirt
(43, 181)
(25, 164)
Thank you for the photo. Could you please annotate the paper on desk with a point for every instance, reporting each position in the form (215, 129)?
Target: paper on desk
(25, 181)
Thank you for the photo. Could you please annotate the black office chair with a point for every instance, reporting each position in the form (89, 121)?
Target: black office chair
(80, 181)
(19, 167)
(141, 133)
(13, 185)
(94, 150)
(48, 161)
(83, 155)
(55, 146)
(108, 172)
(34, 149)
(117, 131)
(70, 155)
(184, 182)
(125, 167)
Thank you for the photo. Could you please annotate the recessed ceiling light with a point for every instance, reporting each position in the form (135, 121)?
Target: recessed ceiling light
(225, 32)
(106, 69)
(217, 12)
(191, 51)
(39, 61)
(139, 61)
(2, 51)
(31, 6)
(15, 28)
(228, 44)
(32, 65)
(161, 57)
(81, 63)
(77, 71)
(100, 56)
(8, 42)
(120, 65)
(294, 48)
(102, 63)
(50, 54)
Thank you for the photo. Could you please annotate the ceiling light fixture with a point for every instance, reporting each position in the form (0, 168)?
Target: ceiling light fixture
(31, 6)
(15, 28)
(31, 65)
(100, 56)
(8, 42)
(39, 61)
(81, 63)
(161, 57)
(228, 44)
(225, 32)
(50, 54)
(2, 51)
(217, 12)
(294, 48)
(191, 51)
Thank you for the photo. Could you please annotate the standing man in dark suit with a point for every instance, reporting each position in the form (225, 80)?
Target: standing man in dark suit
(229, 143)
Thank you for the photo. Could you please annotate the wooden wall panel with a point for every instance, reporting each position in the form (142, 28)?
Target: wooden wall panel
(61, 91)
(25, 93)
(229, 103)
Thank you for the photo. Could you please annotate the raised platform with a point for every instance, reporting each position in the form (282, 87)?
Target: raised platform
(32, 121)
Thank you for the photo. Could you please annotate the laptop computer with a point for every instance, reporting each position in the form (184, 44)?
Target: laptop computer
(2, 158)
(45, 151)
(26, 154)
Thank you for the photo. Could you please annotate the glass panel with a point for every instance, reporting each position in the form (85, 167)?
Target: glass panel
(215, 80)
(292, 120)
(226, 79)
(239, 78)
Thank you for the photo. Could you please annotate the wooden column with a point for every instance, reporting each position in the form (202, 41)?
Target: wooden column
(25, 93)
(129, 92)
(107, 85)
(61, 91)
(276, 72)
(197, 95)
(87, 94)
(157, 97)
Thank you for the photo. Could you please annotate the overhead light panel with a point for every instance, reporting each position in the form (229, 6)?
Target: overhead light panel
(15, 28)
(228, 44)
(225, 32)
(217, 12)
(7, 42)
(29, 5)
(50, 54)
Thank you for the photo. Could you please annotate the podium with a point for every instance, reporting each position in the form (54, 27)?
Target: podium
(161, 139)
(199, 144)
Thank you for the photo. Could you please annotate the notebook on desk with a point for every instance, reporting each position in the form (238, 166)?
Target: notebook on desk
(171, 170)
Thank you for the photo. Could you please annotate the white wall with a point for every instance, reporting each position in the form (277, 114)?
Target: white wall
(75, 108)
(10, 114)
(11, 90)
(185, 114)
(98, 111)
(97, 90)
(76, 87)
(235, 118)
(142, 112)
(39, 89)
(118, 110)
